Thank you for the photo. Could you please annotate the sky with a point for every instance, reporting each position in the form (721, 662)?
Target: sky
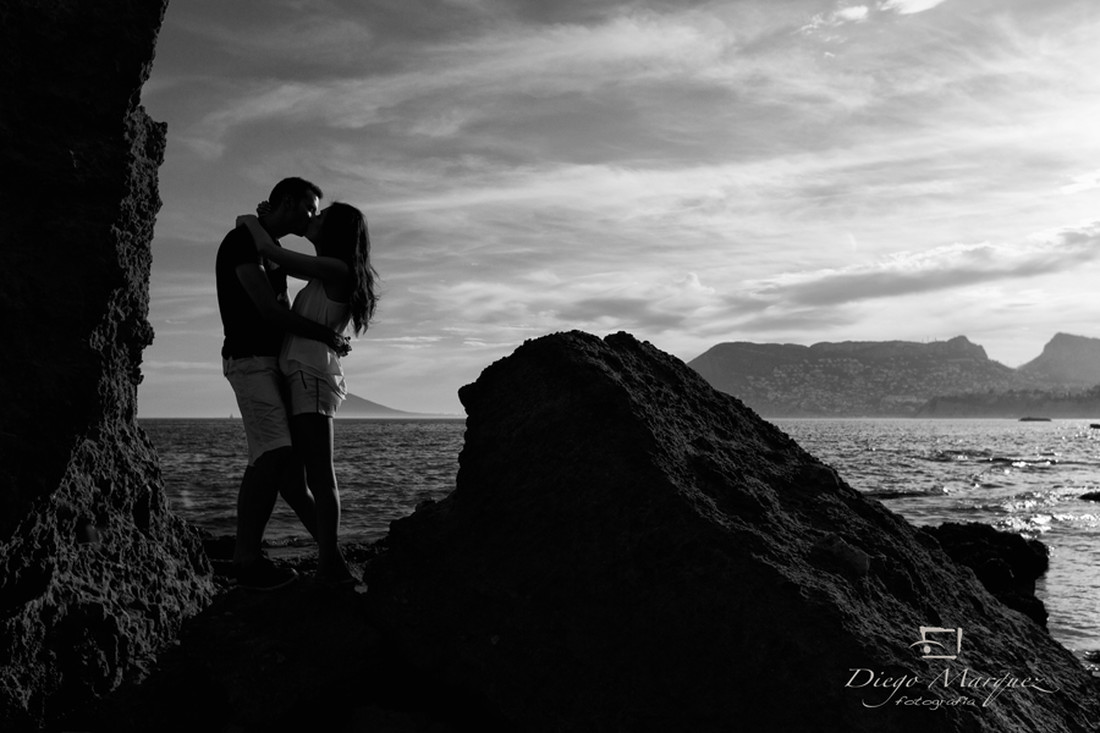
(690, 172)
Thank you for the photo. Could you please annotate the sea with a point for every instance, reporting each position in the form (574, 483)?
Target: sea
(1024, 477)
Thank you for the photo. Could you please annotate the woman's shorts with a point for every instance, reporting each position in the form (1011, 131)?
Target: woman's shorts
(261, 398)
(312, 394)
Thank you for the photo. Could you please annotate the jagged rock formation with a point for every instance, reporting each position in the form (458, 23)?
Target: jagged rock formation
(302, 658)
(95, 574)
(1006, 563)
(1067, 360)
(629, 549)
(849, 378)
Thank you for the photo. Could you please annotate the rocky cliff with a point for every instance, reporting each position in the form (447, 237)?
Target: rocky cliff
(630, 549)
(860, 378)
(95, 573)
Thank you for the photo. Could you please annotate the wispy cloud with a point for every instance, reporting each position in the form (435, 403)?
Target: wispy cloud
(201, 366)
(1083, 182)
(861, 13)
(833, 18)
(937, 269)
(908, 7)
(450, 82)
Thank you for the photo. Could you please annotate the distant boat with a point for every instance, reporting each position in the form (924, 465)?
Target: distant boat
(1095, 425)
(1034, 419)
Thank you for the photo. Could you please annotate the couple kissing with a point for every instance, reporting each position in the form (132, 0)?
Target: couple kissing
(283, 363)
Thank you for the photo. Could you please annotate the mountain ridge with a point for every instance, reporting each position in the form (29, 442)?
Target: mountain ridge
(890, 378)
(1068, 360)
(355, 406)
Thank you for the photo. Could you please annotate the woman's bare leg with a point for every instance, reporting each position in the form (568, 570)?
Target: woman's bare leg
(313, 439)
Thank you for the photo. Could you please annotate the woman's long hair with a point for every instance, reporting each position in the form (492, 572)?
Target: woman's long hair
(344, 236)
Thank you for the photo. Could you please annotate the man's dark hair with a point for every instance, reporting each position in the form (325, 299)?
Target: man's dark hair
(294, 189)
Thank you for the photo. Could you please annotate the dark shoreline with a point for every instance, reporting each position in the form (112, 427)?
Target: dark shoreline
(303, 657)
(271, 661)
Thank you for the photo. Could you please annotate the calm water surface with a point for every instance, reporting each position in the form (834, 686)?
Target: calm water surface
(384, 468)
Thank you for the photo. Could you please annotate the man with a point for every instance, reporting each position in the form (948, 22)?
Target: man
(255, 313)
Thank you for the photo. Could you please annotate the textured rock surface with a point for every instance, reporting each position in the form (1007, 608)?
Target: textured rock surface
(1006, 563)
(628, 549)
(94, 572)
(302, 658)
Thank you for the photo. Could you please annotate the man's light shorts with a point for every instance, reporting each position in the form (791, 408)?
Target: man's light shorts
(312, 394)
(262, 399)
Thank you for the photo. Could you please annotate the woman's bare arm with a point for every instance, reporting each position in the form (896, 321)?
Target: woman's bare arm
(326, 269)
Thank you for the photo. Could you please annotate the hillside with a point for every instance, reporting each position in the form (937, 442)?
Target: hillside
(1050, 403)
(856, 378)
(1067, 360)
(356, 406)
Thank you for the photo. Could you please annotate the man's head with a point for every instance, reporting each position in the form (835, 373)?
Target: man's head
(294, 201)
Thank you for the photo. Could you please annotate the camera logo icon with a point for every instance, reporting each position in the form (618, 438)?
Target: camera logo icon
(928, 646)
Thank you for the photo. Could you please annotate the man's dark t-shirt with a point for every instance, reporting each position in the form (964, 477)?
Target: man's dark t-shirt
(246, 332)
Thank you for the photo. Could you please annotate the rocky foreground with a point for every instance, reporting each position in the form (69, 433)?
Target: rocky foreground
(96, 574)
(628, 549)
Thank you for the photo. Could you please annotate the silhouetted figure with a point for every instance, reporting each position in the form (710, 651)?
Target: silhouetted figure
(340, 292)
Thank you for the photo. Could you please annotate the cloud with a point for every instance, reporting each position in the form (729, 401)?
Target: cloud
(909, 7)
(526, 304)
(187, 366)
(857, 14)
(937, 269)
(1083, 182)
(836, 18)
(408, 342)
(450, 86)
(853, 14)
(780, 320)
(322, 34)
(183, 296)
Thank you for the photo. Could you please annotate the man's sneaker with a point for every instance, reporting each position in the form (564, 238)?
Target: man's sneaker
(265, 575)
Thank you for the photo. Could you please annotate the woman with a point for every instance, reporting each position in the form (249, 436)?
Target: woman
(340, 291)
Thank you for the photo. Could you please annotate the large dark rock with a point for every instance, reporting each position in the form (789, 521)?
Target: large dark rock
(628, 549)
(95, 573)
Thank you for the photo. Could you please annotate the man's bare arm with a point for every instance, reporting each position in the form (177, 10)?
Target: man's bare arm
(296, 264)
